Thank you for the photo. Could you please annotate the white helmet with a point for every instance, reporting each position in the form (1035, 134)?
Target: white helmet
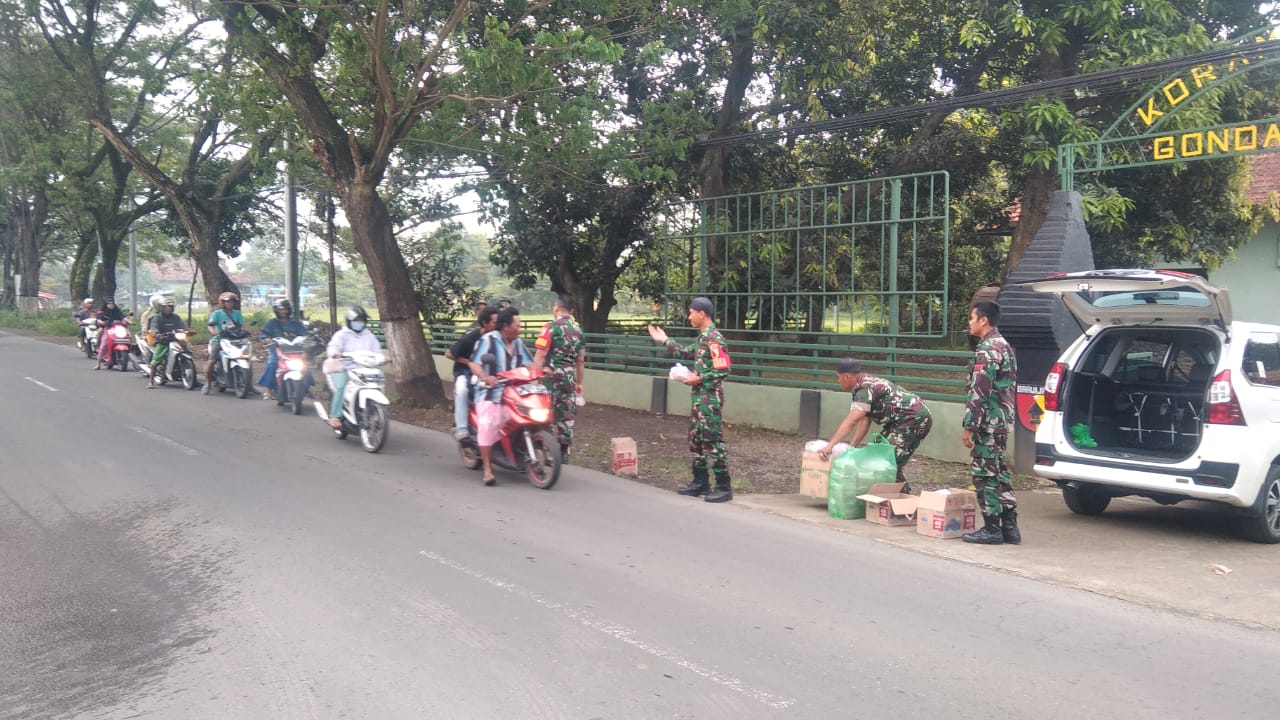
(87, 301)
(156, 301)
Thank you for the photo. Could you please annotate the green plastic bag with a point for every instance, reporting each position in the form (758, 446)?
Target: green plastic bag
(853, 474)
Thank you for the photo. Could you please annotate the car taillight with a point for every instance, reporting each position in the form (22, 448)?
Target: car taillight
(1224, 408)
(1052, 384)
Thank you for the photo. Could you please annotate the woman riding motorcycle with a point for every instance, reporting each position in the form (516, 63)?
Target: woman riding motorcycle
(283, 325)
(109, 315)
(355, 336)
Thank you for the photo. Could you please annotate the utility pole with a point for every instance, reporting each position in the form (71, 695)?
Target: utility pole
(133, 262)
(329, 235)
(291, 284)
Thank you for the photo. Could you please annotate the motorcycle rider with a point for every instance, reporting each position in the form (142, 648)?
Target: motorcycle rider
(283, 325)
(460, 354)
(355, 336)
(153, 309)
(509, 352)
(225, 318)
(159, 329)
(109, 315)
(85, 311)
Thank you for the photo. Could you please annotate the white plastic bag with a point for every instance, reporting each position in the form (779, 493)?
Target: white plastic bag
(816, 445)
(678, 372)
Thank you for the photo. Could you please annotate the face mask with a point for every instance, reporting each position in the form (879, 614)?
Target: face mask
(357, 326)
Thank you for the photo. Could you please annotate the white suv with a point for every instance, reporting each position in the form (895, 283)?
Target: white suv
(1163, 396)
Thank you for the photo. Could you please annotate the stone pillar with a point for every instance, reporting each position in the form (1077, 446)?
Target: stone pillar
(1038, 325)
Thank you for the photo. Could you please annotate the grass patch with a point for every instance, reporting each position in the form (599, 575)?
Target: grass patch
(43, 323)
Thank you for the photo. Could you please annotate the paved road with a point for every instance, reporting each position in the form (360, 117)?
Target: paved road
(164, 554)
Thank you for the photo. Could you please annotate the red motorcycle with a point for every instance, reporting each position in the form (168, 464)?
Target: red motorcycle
(119, 338)
(525, 441)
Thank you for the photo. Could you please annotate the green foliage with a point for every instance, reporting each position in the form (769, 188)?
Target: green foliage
(47, 322)
(438, 268)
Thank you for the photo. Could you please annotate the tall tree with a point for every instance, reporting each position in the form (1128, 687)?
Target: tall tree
(362, 76)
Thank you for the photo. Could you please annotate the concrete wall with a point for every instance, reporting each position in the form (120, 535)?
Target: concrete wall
(1251, 279)
(766, 407)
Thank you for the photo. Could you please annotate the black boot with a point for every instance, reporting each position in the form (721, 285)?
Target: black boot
(990, 534)
(564, 454)
(1009, 526)
(723, 491)
(699, 486)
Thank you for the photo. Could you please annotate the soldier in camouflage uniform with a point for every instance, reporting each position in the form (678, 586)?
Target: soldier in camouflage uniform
(904, 417)
(988, 418)
(560, 347)
(711, 363)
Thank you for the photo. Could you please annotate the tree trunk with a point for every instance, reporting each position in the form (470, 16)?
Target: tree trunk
(110, 256)
(29, 220)
(82, 268)
(205, 253)
(418, 382)
(1041, 184)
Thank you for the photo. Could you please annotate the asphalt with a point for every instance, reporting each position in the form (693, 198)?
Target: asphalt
(1187, 558)
(170, 555)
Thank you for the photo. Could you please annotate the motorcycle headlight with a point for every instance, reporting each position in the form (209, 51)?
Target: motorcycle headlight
(119, 332)
(179, 336)
(295, 364)
(539, 415)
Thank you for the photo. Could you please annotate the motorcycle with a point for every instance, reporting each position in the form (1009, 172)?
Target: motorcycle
(88, 338)
(122, 347)
(525, 441)
(364, 404)
(235, 351)
(179, 364)
(292, 370)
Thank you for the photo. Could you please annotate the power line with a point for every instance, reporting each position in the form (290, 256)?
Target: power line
(1102, 82)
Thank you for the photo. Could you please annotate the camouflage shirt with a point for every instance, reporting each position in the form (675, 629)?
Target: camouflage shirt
(710, 356)
(993, 375)
(562, 339)
(888, 404)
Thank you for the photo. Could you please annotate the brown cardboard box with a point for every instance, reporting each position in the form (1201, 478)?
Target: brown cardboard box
(624, 460)
(888, 505)
(947, 513)
(813, 475)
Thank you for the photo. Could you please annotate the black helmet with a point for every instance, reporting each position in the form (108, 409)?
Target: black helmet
(282, 304)
(354, 313)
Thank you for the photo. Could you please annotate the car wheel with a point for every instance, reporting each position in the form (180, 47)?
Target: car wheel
(1263, 524)
(1085, 498)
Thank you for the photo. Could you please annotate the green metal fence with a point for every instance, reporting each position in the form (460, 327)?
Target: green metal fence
(934, 374)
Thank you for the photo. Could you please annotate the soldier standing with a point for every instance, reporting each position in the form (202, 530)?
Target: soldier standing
(988, 417)
(560, 346)
(711, 362)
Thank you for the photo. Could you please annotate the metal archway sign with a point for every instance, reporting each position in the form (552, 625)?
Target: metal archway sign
(1147, 133)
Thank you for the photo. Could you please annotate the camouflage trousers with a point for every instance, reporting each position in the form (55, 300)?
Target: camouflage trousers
(906, 438)
(706, 433)
(991, 477)
(563, 386)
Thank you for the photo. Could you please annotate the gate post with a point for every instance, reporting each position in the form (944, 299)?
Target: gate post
(1037, 325)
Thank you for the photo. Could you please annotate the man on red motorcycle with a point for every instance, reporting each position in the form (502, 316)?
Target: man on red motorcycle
(509, 352)
(283, 325)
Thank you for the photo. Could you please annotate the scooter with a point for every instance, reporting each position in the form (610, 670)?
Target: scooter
(292, 372)
(88, 338)
(525, 441)
(121, 345)
(364, 404)
(235, 350)
(179, 364)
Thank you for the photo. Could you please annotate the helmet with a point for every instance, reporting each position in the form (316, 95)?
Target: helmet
(155, 301)
(108, 300)
(227, 296)
(87, 301)
(165, 301)
(354, 313)
(282, 304)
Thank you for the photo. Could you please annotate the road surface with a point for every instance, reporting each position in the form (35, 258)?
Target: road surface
(169, 555)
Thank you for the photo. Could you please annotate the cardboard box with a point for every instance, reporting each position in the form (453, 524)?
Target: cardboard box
(623, 458)
(888, 505)
(947, 513)
(813, 475)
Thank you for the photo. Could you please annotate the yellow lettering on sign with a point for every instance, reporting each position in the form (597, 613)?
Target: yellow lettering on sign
(1219, 143)
(1163, 149)
(1187, 147)
(1151, 114)
(1201, 73)
(1182, 94)
(1273, 136)
(1231, 66)
(1249, 131)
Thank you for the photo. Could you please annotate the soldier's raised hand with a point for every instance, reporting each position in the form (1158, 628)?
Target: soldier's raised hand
(658, 334)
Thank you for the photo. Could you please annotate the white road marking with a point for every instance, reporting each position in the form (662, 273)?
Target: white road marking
(171, 443)
(50, 388)
(618, 632)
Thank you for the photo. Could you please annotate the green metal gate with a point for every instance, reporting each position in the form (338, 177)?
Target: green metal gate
(867, 257)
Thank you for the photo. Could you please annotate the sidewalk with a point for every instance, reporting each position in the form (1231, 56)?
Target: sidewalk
(1137, 551)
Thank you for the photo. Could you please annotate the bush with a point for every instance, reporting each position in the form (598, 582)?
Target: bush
(48, 322)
